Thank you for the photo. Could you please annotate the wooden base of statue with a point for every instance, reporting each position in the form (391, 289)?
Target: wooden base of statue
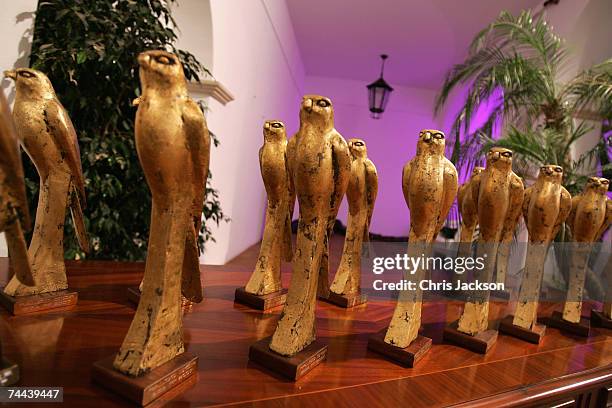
(50, 301)
(293, 367)
(479, 343)
(407, 356)
(582, 328)
(9, 373)
(598, 319)
(260, 302)
(159, 385)
(533, 335)
(133, 295)
(346, 301)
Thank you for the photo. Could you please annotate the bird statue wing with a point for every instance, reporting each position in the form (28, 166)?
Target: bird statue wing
(65, 138)
(406, 171)
(342, 171)
(461, 194)
(526, 203)
(449, 192)
(198, 142)
(287, 250)
(565, 207)
(572, 215)
(11, 161)
(475, 188)
(515, 206)
(607, 220)
(371, 181)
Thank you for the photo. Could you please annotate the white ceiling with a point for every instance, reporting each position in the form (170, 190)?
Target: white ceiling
(343, 38)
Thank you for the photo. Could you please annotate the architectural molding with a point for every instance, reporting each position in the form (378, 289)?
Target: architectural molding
(212, 88)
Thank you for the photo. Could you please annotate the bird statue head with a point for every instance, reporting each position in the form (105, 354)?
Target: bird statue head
(551, 173)
(476, 171)
(317, 110)
(161, 70)
(431, 141)
(597, 185)
(500, 157)
(358, 148)
(31, 83)
(274, 131)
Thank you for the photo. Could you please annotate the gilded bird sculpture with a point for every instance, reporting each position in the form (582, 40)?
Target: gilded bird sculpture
(173, 146)
(361, 195)
(320, 166)
(589, 218)
(546, 206)
(498, 196)
(429, 183)
(14, 213)
(276, 241)
(49, 139)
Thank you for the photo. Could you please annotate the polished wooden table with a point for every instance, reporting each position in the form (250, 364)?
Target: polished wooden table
(58, 349)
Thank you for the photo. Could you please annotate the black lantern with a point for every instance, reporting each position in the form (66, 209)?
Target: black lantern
(378, 92)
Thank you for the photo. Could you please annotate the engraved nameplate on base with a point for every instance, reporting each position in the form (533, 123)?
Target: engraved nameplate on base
(479, 343)
(293, 367)
(407, 356)
(533, 335)
(160, 384)
(260, 302)
(346, 301)
(583, 328)
(19, 305)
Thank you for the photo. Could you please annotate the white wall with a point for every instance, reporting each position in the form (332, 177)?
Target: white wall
(255, 55)
(585, 25)
(16, 23)
(391, 140)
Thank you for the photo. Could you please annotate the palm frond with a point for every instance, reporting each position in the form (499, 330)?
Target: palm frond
(592, 89)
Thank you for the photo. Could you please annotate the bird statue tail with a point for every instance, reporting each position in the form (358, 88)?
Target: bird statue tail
(78, 220)
(191, 284)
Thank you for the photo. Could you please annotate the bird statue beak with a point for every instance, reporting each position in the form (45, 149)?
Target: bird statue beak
(10, 74)
(267, 125)
(427, 138)
(308, 105)
(143, 59)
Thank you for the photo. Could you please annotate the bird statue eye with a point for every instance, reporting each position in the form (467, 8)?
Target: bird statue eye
(438, 135)
(358, 144)
(26, 74)
(605, 181)
(507, 154)
(558, 169)
(162, 59)
(592, 180)
(322, 103)
(277, 125)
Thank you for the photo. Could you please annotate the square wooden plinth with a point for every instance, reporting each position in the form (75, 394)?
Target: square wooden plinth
(133, 295)
(583, 328)
(346, 301)
(19, 305)
(160, 384)
(260, 302)
(293, 367)
(407, 356)
(598, 319)
(9, 373)
(479, 343)
(532, 336)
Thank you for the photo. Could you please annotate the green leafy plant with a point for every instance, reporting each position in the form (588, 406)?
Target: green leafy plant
(88, 49)
(521, 58)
